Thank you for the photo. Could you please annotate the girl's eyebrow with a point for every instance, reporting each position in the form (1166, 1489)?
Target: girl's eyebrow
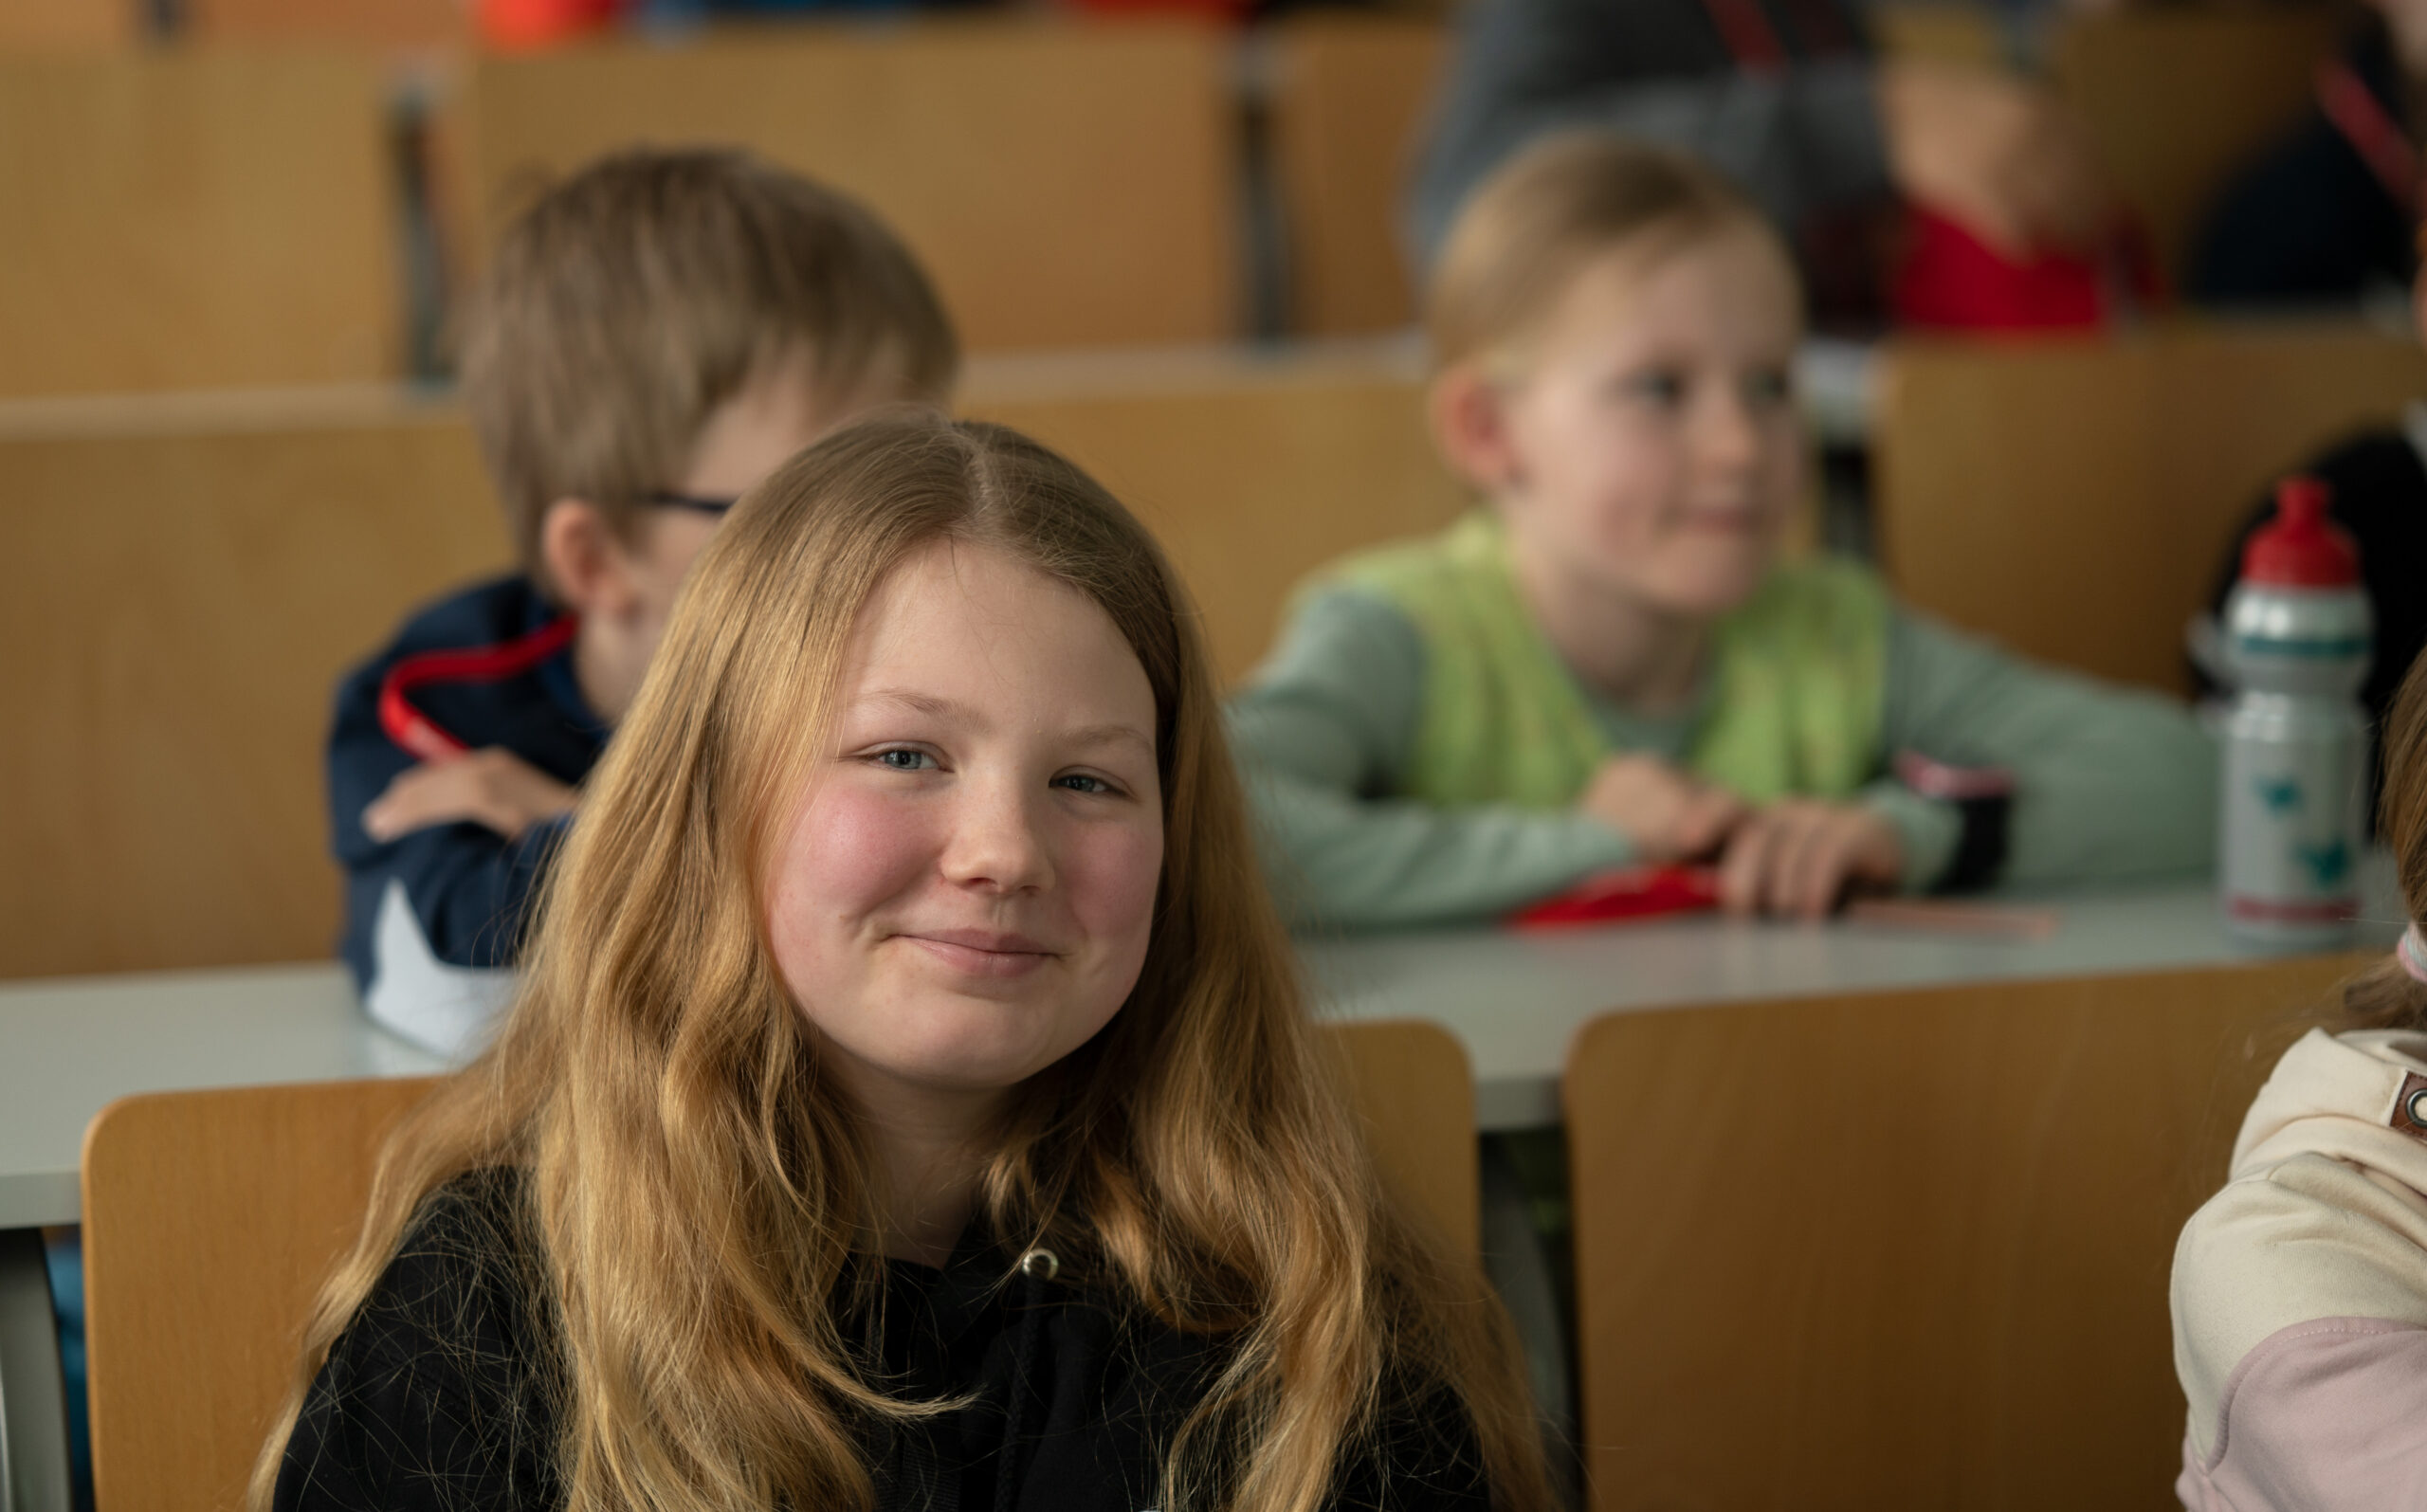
(948, 709)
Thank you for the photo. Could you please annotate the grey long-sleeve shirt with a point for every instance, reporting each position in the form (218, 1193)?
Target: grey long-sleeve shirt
(2110, 783)
(1803, 139)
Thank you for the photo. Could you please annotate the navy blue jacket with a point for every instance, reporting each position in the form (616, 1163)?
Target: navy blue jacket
(490, 666)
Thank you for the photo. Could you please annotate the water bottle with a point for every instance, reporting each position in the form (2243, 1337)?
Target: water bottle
(2297, 638)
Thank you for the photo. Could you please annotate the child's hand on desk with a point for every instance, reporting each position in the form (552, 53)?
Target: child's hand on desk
(1669, 815)
(1798, 856)
(492, 787)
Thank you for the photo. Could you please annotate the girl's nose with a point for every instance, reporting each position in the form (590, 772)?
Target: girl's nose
(1729, 434)
(998, 841)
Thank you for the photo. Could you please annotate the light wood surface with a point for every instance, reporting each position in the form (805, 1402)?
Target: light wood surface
(1065, 184)
(193, 219)
(186, 582)
(1252, 473)
(211, 1219)
(402, 25)
(1416, 1095)
(1904, 1249)
(1939, 33)
(68, 26)
(2074, 497)
(1348, 107)
(2178, 98)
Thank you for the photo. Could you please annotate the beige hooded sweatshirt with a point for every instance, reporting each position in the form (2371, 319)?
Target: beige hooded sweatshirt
(2300, 1290)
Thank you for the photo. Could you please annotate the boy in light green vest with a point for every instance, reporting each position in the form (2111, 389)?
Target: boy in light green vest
(1610, 664)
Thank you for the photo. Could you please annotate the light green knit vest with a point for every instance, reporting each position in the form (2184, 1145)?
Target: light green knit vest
(1800, 669)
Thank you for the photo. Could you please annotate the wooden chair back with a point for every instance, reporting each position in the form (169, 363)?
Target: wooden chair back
(194, 219)
(1415, 1093)
(1904, 1248)
(1065, 184)
(189, 577)
(2075, 499)
(2177, 99)
(1346, 112)
(211, 1220)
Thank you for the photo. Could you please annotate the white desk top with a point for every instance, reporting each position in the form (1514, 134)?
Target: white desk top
(71, 1045)
(68, 1047)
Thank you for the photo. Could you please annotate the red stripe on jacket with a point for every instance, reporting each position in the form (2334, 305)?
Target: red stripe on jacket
(420, 735)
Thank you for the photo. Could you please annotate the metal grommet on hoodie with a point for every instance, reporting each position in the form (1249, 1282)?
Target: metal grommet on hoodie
(2410, 1107)
(1040, 1264)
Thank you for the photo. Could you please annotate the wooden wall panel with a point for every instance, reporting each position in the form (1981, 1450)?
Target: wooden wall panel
(407, 25)
(1065, 185)
(1904, 1249)
(187, 580)
(194, 219)
(1349, 96)
(2074, 497)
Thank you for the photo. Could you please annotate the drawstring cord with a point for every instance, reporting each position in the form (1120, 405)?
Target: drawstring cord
(1037, 1268)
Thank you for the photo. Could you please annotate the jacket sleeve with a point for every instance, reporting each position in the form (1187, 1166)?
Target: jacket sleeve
(2110, 783)
(1800, 141)
(432, 917)
(1421, 1456)
(1323, 732)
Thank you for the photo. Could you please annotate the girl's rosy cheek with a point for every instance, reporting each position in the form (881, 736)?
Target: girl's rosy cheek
(1112, 874)
(861, 844)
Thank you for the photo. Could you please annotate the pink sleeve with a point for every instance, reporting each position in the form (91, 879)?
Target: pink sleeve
(2324, 1415)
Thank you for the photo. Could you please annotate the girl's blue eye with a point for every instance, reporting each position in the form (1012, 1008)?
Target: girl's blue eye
(903, 761)
(1080, 782)
(1770, 387)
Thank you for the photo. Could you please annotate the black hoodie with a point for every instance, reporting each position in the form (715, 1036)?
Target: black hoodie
(432, 1400)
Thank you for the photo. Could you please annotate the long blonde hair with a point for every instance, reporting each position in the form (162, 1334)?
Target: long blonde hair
(693, 1183)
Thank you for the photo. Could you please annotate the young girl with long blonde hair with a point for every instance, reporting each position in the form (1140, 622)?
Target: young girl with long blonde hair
(910, 1103)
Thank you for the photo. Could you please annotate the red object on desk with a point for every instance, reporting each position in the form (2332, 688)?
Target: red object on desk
(1630, 892)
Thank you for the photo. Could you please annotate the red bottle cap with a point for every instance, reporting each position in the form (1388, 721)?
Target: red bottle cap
(2301, 547)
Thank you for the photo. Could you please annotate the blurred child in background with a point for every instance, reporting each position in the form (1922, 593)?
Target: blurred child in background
(653, 336)
(1610, 664)
(2300, 1290)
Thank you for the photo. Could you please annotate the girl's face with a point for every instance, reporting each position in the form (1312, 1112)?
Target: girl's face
(964, 896)
(1654, 444)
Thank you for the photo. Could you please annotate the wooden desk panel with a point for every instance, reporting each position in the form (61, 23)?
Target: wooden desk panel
(1065, 185)
(190, 220)
(174, 619)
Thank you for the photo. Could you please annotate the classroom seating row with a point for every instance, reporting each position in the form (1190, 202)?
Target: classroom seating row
(190, 573)
(230, 215)
(1887, 1251)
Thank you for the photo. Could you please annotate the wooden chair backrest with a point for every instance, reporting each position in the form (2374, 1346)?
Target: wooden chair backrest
(211, 1220)
(2075, 498)
(194, 219)
(187, 579)
(2178, 100)
(1904, 1248)
(1415, 1093)
(1064, 184)
(1349, 96)
(68, 26)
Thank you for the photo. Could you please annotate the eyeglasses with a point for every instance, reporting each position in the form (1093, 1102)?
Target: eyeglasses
(697, 503)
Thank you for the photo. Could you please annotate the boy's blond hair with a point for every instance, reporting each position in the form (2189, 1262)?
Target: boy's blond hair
(1552, 209)
(632, 298)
